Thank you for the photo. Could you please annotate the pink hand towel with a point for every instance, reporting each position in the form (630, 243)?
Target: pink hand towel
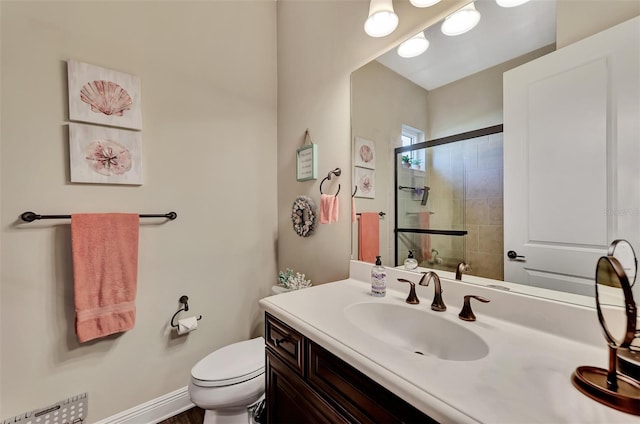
(105, 273)
(368, 236)
(326, 208)
(335, 211)
(425, 239)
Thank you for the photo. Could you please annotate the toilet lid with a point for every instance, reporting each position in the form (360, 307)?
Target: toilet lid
(232, 364)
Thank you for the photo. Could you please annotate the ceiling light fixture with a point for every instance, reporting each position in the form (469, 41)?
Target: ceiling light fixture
(425, 3)
(414, 46)
(510, 3)
(461, 20)
(382, 20)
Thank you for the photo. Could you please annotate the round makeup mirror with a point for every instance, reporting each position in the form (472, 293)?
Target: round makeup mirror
(614, 302)
(617, 315)
(624, 253)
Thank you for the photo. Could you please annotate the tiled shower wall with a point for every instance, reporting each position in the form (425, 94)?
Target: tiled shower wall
(483, 210)
(466, 193)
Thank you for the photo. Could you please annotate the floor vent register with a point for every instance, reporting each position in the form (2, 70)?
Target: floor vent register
(72, 410)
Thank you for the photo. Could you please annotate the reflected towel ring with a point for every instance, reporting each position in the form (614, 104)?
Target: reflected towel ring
(335, 172)
(354, 192)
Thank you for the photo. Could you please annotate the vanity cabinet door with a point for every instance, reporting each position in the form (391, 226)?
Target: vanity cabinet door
(361, 399)
(290, 400)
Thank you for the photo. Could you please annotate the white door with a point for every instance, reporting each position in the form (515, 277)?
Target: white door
(572, 159)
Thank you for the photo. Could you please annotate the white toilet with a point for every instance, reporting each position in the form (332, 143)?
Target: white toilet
(227, 382)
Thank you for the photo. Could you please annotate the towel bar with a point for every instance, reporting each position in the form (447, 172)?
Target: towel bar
(31, 216)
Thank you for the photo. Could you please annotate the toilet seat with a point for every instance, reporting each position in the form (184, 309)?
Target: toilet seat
(232, 364)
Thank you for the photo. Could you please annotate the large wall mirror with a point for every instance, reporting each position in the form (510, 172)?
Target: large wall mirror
(433, 123)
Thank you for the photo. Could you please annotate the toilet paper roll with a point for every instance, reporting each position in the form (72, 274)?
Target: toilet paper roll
(187, 325)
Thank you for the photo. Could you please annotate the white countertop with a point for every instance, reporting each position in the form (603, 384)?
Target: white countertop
(525, 378)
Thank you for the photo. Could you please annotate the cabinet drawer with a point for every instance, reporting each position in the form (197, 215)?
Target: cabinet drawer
(285, 342)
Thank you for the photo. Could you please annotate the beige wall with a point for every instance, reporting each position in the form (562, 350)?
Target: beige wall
(208, 72)
(473, 102)
(578, 19)
(381, 102)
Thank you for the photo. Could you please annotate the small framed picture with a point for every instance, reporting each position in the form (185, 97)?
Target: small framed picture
(366, 182)
(365, 153)
(307, 163)
(102, 96)
(105, 155)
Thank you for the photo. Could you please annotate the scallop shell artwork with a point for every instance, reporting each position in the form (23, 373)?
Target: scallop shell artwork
(366, 154)
(106, 97)
(107, 157)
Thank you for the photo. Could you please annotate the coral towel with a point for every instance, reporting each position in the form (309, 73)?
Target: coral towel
(369, 236)
(105, 273)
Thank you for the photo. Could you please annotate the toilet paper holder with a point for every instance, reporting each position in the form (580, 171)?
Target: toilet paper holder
(185, 301)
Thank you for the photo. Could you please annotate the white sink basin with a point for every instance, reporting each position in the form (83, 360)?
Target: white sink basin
(417, 330)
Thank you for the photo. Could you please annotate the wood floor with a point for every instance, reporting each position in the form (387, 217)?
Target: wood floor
(194, 415)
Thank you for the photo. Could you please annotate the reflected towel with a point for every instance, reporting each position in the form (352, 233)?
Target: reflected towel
(353, 210)
(425, 239)
(105, 273)
(326, 208)
(368, 236)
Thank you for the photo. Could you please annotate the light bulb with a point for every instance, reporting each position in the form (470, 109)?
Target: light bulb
(414, 46)
(382, 20)
(424, 3)
(461, 21)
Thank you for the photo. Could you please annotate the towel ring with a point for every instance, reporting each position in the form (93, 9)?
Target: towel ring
(354, 192)
(184, 300)
(335, 172)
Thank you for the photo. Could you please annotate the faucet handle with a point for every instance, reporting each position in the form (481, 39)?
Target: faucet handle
(466, 313)
(412, 299)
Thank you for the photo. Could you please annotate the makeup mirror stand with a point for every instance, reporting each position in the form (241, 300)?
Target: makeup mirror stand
(609, 387)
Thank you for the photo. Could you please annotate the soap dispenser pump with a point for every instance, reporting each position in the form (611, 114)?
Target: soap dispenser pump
(410, 263)
(378, 279)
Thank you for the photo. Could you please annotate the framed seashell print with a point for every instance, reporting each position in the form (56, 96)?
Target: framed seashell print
(102, 96)
(364, 153)
(366, 182)
(105, 155)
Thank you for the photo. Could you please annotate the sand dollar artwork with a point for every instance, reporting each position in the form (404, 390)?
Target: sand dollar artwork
(108, 157)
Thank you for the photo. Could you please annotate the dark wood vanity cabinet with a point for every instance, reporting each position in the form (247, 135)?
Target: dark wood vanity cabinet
(307, 384)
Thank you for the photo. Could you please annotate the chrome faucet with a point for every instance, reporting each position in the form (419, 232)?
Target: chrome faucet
(460, 269)
(438, 303)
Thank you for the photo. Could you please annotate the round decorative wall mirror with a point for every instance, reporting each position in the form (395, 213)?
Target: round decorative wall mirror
(617, 315)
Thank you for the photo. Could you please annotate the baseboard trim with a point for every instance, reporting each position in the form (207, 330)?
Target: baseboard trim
(153, 411)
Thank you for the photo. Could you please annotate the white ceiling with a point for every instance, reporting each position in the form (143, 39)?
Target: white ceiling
(502, 34)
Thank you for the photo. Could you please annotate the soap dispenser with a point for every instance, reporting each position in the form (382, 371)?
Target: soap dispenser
(410, 263)
(378, 279)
